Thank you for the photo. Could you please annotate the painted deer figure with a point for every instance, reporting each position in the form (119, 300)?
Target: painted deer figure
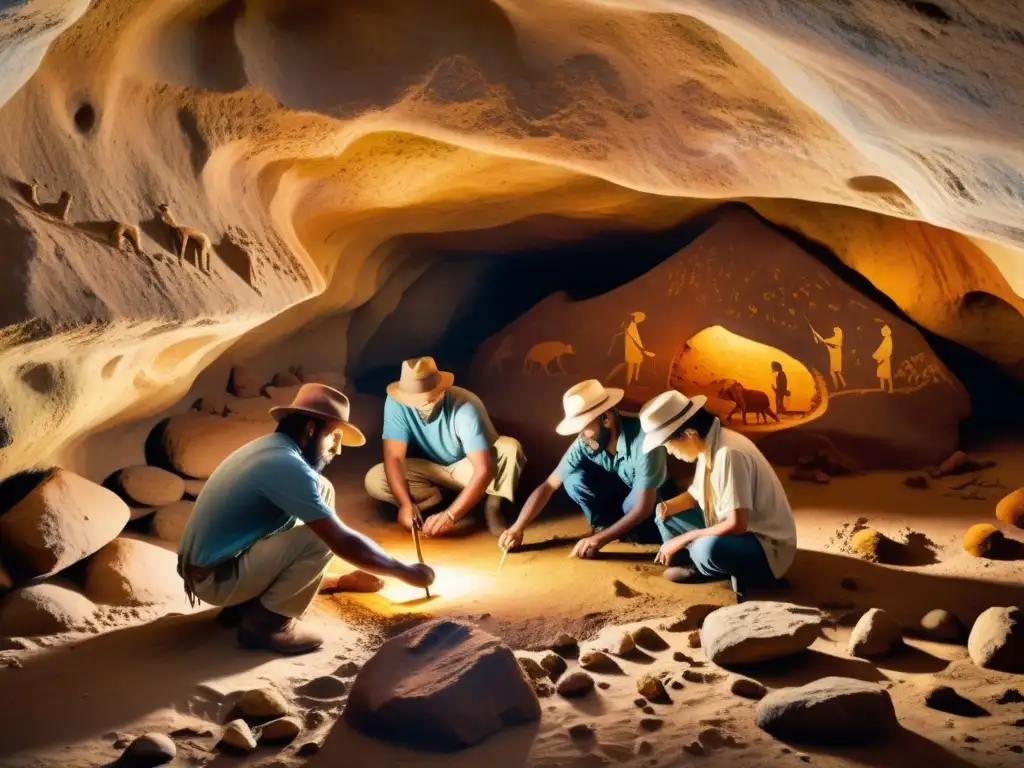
(183, 234)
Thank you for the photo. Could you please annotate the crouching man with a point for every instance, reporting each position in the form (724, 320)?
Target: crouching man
(453, 445)
(263, 532)
(734, 522)
(605, 471)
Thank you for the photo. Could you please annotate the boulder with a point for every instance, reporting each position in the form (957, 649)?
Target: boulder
(61, 521)
(148, 750)
(280, 731)
(243, 382)
(196, 444)
(997, 639)
(598, 661)
(876, 634)
(1010, 509)
(169, 522)
(833, 711)
(981, 539)
(759, 631)
(942, 626)
(648, 639)
(238, 736)
(149, 486)
(575, 685)
(532, 668)
(45, 609)
(133, 572)
(554, 665)
(442, 685)
(193, 487)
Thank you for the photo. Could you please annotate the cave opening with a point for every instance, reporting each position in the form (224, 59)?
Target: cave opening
(85, 118)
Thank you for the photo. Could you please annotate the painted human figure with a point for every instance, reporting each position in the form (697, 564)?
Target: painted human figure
(781, 388)
(635, 352)
(835, 355)
(883, 356)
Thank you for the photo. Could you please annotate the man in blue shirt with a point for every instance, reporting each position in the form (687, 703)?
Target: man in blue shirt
(605, 471)
(262, 533)
(439, 436)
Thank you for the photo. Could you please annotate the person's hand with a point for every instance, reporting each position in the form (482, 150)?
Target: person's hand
(407, 514)
(670, 548)
(661, 510)
(512, 538)
(418, 575)
(437, 525)
(587, 548)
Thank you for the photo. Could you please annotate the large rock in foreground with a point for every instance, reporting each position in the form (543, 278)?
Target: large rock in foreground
(759, 631)
(443, 685)
(44, 609)
(63, 520)
(833, 711)
(196, 444)
(997, 639)
(133, 572)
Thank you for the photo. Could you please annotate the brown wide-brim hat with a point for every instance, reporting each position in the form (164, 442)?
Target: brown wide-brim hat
(323, 402)
(420, 382)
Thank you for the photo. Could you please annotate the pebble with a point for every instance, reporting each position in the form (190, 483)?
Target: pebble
(280, 731)
(748, 689)
(532, 668)
(554, 665)
(598, 661)
(648, 639)
(150, 749)
(603, 685)
(261, 703)
(648, 709)
(575, 685)
(676, 685)
(651, 687)
(640, 702)
(651, 723)
(581, 731)
(238, 735)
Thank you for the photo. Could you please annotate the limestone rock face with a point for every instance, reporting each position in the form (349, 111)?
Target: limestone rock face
(244, 383)
(196, 444)
(831, 711)
(442, 685)
(64, 519)
(150, 486)
(169, 522)
(46, 608)
(758, 631)
(133, 572)
(997, 639)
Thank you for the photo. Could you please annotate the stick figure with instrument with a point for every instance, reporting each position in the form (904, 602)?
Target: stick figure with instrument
(835, 353)
(634, 348)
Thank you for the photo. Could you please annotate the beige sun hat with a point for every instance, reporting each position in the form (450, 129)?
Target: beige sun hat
(661, 416)
(584, 402)
(420, 382)
(326, 403)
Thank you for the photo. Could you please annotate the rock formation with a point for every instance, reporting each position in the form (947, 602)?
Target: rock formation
(758, 631)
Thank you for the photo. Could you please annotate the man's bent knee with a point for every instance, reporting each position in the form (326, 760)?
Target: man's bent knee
(376, 484)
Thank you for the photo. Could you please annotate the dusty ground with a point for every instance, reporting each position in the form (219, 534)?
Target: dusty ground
(67, 704)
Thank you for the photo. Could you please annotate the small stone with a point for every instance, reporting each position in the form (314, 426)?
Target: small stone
(644, 748)
(945, 699)
(565, 642)
(748, 689)
(238, 735)
(641, 703)
(581, 732)
(624, 590)
(982, 539)
(694, 748)
(997, 639)
(532, 668)
(647, 709)
(942, 626)
(280, 731)
(150, 749)
(876, 634)
(969, 739)
(675, 685)
(920, 482)
(693, 676)
(308, 749)
(691, 618)
(261, 703)
(1010, 509)
(833, 711)
(597, 661)
(1017, 748)
(575, 685)
(651, 724)
(651, 688)
(693, 639)
(325, 687)
(622, 645)
(554, 665)
(848, 584)
(348, 669)
(1011, 696)
(648, 639)
(603, 685)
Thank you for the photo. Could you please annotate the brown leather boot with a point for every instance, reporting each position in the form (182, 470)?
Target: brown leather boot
(266, 630)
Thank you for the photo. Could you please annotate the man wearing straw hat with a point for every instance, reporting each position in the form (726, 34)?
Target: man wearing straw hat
(263, 532)
(436, 436)
(604, 471)
(734, 522)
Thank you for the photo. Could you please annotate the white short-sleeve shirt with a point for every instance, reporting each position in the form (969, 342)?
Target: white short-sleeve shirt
(742, 478)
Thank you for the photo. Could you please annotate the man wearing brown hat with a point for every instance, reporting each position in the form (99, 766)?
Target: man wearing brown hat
(262, 533)
(436, 436)
(605, 472)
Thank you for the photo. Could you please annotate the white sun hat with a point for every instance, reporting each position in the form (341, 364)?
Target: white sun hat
(584, 402)
(661, 416)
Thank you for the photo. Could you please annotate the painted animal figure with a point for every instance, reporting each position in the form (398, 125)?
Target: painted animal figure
(183, 234)
(128, 232)
(751, 400)
(545, 353)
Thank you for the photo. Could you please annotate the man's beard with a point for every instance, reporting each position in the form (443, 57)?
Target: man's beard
(318, 461)
(427, 411)
(602, 439)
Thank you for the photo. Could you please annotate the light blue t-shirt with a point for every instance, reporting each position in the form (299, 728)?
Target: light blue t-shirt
(458, 427)
(638, 470)
(260, 489)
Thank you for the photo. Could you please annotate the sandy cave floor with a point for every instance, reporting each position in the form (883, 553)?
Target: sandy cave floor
(67, 703)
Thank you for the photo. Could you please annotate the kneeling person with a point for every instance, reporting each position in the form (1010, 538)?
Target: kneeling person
(605, 472)
(454, 446)
(734, 522)
(263, 532)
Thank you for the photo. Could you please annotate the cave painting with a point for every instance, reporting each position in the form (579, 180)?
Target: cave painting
(500, 355)
(747, 400)
(634, 351)
(883, 356)
(780, 387)
(546, 352)
(121, 232)
(834, 344)
(181, 235)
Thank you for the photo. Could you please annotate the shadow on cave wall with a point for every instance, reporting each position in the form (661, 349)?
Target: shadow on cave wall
(493, 289)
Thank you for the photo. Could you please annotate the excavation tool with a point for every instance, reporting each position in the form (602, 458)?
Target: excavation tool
(417, 526)
(504, 554)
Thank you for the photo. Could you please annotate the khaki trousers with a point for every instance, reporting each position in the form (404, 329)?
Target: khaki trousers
(284, 570)
(426, 478)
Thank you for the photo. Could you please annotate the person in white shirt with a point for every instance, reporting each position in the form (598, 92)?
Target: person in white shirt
(734, 522)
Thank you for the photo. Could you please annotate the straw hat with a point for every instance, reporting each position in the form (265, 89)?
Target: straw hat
(663, 415)
(420, 382)
(323, 402)
(585, 402)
